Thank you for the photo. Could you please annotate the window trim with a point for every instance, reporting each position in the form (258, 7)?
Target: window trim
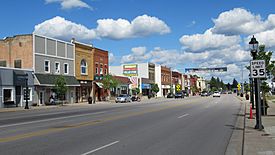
(55, 71)
(49, 66)
(86, 67)
(67, 68)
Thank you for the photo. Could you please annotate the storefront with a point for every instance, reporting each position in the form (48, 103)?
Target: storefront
(45, 88)
(13, 83)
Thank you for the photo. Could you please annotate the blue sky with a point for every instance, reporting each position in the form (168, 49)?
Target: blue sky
(175, 33)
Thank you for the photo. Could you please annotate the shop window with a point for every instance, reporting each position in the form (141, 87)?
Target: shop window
(17, 64)
(8, 95)
(3, 63)
(83, 67)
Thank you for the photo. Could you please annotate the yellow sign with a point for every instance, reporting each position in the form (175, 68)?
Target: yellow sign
(178, 87)
(239, 86)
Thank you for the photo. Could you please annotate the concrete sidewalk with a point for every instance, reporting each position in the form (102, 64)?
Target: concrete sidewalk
(246, 140)
(260, 142)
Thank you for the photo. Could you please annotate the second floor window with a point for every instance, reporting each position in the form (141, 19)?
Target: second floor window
(83, 67)
(96, 68)
(47, 66)
(17, 64)
(101, 69)
(3, 63)
(66, 69)
(57, 67)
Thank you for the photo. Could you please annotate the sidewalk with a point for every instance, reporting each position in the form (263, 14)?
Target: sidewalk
(260, 142)
(246, 140)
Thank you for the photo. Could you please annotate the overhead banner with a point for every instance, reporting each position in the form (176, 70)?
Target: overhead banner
(206, 70)
(130, 70)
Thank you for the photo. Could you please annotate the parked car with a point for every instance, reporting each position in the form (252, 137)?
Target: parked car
(229, 92)
(170, 95)
(179, 95)
(185, 93)
(123, 98)
(217, 94)
(204, 93)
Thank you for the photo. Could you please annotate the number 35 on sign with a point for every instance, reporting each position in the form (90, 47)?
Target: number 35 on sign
(258, 69)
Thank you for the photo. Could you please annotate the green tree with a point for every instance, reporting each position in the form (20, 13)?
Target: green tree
(234, 83)
(61, 87)
(109, 82)
(155, 88)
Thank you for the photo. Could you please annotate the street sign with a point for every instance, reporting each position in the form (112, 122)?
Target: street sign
(258, 69)
(178, 88)
(239, 86)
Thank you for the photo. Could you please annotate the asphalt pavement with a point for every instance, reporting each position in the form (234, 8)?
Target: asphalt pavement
(195, 125)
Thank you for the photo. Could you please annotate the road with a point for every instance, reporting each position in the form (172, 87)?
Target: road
(194, 125)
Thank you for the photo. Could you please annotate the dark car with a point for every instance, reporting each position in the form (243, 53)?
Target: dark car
(179, 95)
(170, 95)
(204, 93)
(185, 93)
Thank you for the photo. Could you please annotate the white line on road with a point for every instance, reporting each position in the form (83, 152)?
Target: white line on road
(183, 115)
(100, 148)
(51, 119)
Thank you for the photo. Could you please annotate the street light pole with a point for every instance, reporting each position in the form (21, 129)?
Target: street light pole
(254, 47)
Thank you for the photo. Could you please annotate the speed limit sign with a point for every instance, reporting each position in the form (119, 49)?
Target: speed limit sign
(258, 69)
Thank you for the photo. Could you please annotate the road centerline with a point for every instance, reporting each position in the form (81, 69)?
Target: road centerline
(100, 148)
(183, 115)
(51, 119)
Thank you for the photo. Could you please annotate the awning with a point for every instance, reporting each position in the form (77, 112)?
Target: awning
(99, 84)
(49, 80)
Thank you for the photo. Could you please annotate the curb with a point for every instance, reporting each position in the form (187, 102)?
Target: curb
(236, 143)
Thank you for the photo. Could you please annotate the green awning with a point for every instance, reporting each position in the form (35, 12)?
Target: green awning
(49, 80)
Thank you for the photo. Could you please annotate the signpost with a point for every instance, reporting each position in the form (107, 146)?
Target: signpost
(257, 72)
(258, 69)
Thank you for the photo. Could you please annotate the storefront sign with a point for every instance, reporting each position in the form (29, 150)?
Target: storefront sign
(130, 70)
(145, 86)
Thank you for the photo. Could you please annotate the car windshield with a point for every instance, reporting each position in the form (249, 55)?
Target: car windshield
(123, 95)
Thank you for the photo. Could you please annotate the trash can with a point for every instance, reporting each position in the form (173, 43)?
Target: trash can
(264, 107)
(90, 100)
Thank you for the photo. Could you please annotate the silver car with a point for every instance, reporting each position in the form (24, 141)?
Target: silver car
(123, 98)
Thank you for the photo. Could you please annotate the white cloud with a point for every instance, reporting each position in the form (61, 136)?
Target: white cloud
(112, 58)
(208, 41)
(240, 21)
(267, 38)
(69, 4)
(61, 28)
(139, 27)
(138, 55)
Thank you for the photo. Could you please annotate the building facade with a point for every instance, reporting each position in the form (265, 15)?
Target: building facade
(166, 80)
(48, 58)
(13, 83)
(84, 70)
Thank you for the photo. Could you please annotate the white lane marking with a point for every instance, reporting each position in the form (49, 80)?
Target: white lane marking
(183, 115)
(100, 148)
(51, 119)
